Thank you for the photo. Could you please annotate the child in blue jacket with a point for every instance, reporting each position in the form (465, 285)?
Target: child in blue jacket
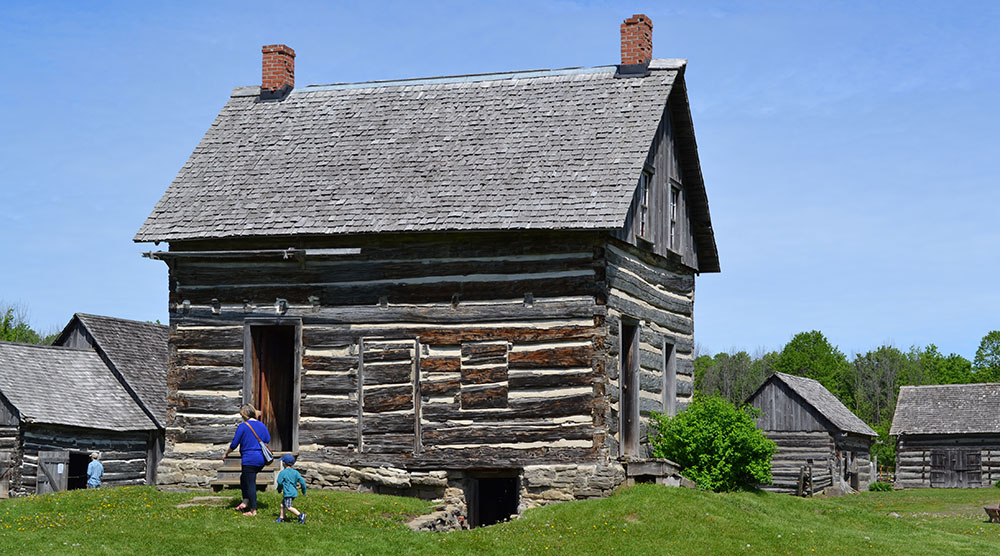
(288, 481)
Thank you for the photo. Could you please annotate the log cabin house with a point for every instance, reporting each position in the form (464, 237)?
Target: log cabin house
(100, 387)
(947, 436)
(814, 431)
(475, 285)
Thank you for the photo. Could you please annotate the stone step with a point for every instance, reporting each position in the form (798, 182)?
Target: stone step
(228, 474)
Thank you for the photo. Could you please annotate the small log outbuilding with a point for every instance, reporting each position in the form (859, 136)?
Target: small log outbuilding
(947, 436)
(101, 390)
(483, 282)
(813, 430)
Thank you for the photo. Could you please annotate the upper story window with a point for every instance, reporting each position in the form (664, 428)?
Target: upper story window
(645, 227)
(675, 201)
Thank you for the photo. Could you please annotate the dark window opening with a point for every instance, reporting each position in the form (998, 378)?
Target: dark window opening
(274, 382)
(77, 478)
(629, 397)
(491, 500)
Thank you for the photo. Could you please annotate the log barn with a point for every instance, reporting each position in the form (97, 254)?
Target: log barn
(814, 431)
(475, 287)
(100, 389)
(947, 436)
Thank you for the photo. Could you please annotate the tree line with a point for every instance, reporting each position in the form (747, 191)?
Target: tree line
(868, 384)
(14, 326)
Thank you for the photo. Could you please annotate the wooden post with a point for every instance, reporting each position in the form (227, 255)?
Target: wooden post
(802, 481)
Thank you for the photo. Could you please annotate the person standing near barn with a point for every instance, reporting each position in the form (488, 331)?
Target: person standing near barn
(249, 434)
(95, 470)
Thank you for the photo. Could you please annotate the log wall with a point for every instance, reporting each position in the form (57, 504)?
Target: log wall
(915, 461)
(123, 454)
(658, 295)
(430, 352)
(420, 352)
(795, 449)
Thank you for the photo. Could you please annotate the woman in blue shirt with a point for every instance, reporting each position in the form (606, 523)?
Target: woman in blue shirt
(251, 456)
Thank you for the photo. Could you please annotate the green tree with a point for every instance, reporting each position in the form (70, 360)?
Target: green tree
(986, 366)
(874, 380)
(733, 375)
(811, 355)
(14, 326)
(717, 445)
(936, 368)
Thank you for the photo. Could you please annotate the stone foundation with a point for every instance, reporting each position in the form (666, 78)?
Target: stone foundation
(539, 485)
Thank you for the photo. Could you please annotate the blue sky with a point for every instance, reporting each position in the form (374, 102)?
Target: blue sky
(849, 149)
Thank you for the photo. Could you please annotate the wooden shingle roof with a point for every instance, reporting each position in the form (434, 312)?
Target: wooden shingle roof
(948, 409)
(138, 350)
(821, 399)
(548, 149)
(66, 386)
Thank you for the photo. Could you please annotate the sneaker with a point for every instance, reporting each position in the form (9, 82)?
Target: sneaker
(279, 520)
(302, 517)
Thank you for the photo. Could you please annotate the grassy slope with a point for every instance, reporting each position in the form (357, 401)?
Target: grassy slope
(641, 520)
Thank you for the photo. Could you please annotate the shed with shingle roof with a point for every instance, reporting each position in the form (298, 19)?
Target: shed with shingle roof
(811, 426)
(947, 435)
(481, 273)
(58, 404)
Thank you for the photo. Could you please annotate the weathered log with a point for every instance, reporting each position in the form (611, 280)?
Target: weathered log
(328, 433)
(550, 380)
(504, 433)
(313, 406)
(332, 363)
(207, 378)
(335, 294)
(518, 408)
(483, 375)
(210, 358)
(665, 319)
(440, 364)
(395, 373)
(198, 403)
(579, 356)
(339, 383)
(441, 313)
(478, 457)
(208, 338)
(648, 292)
(388, 398)
(438, 387)
(484, 396)
(457, 336)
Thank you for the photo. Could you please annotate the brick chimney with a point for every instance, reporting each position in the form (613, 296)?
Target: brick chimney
(278, 71)
(637, 40)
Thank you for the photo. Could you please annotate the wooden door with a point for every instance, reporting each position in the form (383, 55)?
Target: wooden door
(53, 471)
(388, 390)
(628, 401)
(956, 468)
(275, 349)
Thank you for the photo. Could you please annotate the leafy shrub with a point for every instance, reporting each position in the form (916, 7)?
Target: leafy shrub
(717, 445)
(880, 486)
(996, 484)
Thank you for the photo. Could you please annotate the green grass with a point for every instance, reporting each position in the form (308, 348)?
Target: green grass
(645, 519)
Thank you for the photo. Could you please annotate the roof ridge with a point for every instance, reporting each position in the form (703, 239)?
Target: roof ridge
(966, 384)
(45, 346)
(656, 64)
(120, 319)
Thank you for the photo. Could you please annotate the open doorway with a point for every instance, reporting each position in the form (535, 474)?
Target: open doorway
(274, 381)
(629, 396)
(491, 499)
(78, 462)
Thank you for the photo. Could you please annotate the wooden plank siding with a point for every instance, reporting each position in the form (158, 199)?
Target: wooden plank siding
(666, 173)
